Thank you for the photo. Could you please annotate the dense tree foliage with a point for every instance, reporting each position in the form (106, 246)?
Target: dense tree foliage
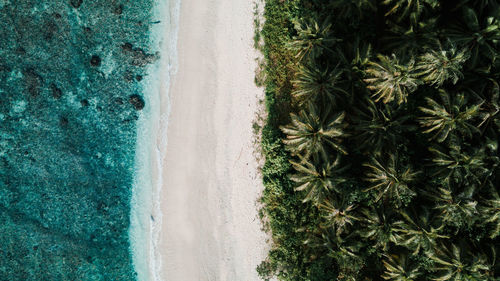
(381, 143)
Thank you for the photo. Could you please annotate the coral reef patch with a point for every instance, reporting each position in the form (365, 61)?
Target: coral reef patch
(68, 136)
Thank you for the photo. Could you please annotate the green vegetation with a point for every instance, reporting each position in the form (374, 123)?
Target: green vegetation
(381, 142)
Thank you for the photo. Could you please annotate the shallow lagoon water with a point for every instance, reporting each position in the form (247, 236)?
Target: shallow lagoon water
(72, 89)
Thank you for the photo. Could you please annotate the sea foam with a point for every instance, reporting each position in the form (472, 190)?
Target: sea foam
(146, 217)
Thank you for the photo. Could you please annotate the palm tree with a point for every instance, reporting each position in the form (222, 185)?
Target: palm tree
(377, 226)
(408, 7)
(479, 37)
(435, 67)
(417, 231)
(457, 167)
(345, 251)
(391, 80)
(355, 57)
(398, 267)
(317, 177)
(379, 127)
(481, 4)
(454, 210)
(488, 255)
(456, 263)
(312, 38)
(315, 84)
(391, 179)
(308, 133)
(350, 8)
(451, 114)
(489, 210)
(404, 40)
(338, 214)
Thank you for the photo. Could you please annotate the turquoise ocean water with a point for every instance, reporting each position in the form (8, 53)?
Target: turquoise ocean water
(77, 95)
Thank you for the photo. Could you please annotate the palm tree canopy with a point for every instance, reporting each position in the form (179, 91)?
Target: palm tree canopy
(391, 80)
(480, 36)
(317, 177)
(458, 167)
(409, 88)
(409, 7)
(391, 179)
(349, 8)
(435, 67)
(453, 262)
(454, 210)
(490, 212)
(312, 38)
(316, 84)
(452, 114)
(378, 227)
(418, 231)
(308, 133)
(338, 214)
(407, 41)
(398, 267)
(378, 127)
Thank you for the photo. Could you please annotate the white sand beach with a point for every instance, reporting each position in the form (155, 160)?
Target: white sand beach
(210, 228)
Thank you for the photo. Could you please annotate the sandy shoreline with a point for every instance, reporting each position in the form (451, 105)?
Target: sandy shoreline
(210, 183)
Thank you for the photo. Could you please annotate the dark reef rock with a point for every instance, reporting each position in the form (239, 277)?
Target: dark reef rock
(56, 92)
(119, 101)
(20, 51)
(127, 47)
(76, 3)
(128, 76)
(63, 121)
(4, 68)
(141, 58)
(95, 60)
(33, 81)
(138, 56)
(136, 101)
(50, 29)
(118, 10)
